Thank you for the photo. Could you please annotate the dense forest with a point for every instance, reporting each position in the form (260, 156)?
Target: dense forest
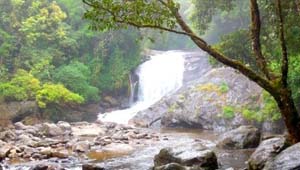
(51, 55)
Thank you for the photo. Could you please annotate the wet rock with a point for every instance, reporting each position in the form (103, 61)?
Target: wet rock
(173, 166)
(194, 155)
(46, 167)
(112, 102)
(240, 138)
(91, 167)
(51, 129)
(201, 104)
(82, 146)
(265, 152)
(118, 147)
(288, 159)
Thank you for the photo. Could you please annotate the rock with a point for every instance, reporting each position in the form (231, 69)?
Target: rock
(82, 146)
(172, 166)
(20, 126)
(265, 152)
(288, 159)
(91, 167)
(241, 138)
(62, 153)
(16, 111)
(65, 126)
(50, 130)
(4, 150)
(112, 102)
(191, 156)
(8, 135)
(26, 139)
(46, 167)
(203, 104)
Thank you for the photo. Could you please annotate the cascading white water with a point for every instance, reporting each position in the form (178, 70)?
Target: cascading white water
(161, 75)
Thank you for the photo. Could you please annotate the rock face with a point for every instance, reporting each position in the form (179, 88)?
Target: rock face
(215, 101)
(15, 111)
(241, 138)
(288, 159)
(196, 157)
(266, 151)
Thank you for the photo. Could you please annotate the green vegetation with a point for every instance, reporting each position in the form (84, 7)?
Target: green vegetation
(228, 112)
(224, 88)
(48, 54)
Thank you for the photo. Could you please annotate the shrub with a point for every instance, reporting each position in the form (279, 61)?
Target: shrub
(56, 93)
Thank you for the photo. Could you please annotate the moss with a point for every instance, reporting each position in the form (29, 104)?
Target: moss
(224, 88)
(228, 112)
(172, 108)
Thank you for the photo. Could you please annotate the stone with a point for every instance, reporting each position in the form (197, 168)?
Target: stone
(91, 167)
(266, 151)
(51, 130)
(60, 153)
(194, 155)
(82, 146)
(65, 126)
(171, 166)
(20, 126)
(8, 135)
(4, 150)
(241, 138)
(288, 159)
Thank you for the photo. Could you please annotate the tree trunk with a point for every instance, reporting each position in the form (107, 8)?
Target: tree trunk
(289, 114)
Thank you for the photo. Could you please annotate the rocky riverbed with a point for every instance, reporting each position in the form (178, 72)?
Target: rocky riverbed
(107, 145)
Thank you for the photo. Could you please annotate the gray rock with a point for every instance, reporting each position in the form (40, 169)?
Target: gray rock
(240, 138)
(50, 129)
(266, 151)
(20, 126)
(288, 159)
(82, 146)
(201, 104)
(65, 126)
(8, 135)
(192, 156)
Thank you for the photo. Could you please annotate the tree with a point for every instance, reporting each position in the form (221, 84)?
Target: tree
(164, 15)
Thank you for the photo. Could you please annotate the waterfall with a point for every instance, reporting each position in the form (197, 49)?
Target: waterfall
(159, 76)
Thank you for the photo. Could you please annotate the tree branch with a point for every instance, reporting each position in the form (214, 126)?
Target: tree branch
(252, 75)
(255, 36)
(285, 61)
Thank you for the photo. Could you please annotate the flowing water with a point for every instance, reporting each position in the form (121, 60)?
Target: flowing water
(161, 75)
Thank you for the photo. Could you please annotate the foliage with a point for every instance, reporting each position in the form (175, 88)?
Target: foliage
(75, 77)
(267, 112)
(228, 112)
(22, 86)
(56, 93)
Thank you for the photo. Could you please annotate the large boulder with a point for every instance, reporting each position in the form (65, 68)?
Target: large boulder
(218, 100)
(51, 129)
(266, 151)
(288, 159)
(241, 138)
(16, 111)
(194, 156)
